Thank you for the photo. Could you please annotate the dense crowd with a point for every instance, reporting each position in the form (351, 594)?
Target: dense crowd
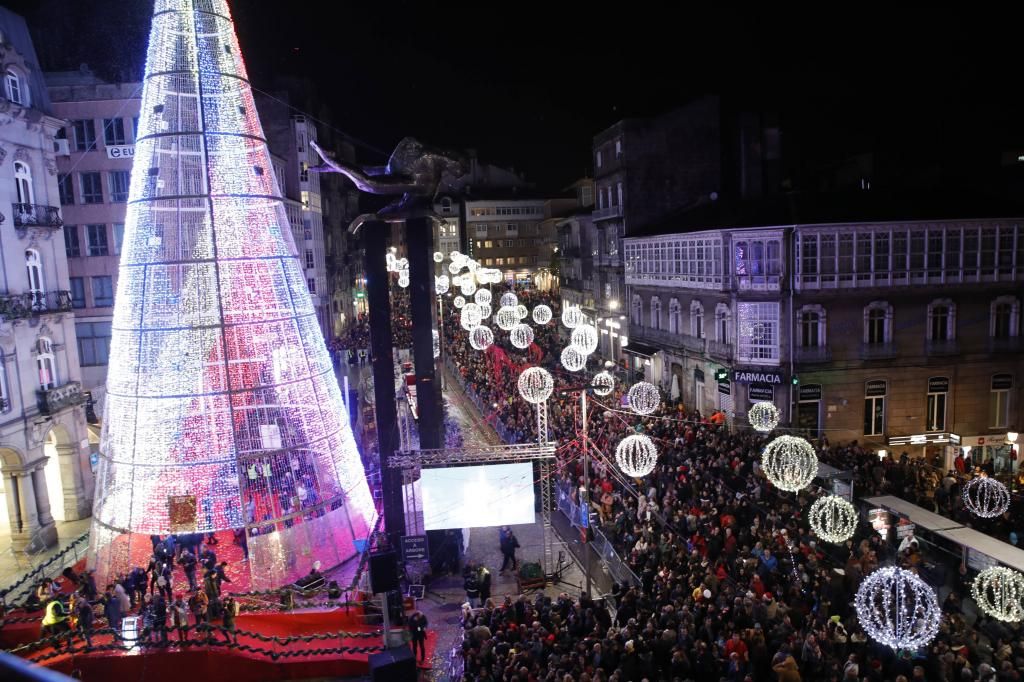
(731, 582)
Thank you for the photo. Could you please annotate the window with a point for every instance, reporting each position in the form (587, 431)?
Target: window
(92, 188)
(303, 172)
(97, 239)
(45, 364)
(812, 326)
(119, 180)
(675, 315)
(618, 148)
(874, 408)
(878, 323)
(23, 183)
(311, 283)
(34, 269)
(103, 291)
(512, 230)
(488, 244)
(66, 189)
(697, 319)
(310, 263)
(759, 258)
(135, 128)
(113, 131)
(1005, 314)
(599, 159)
(635, 310)
(999, 401)
(77, 292)
(935, 409)
(655, 313)
(446, 205)
(757, 332)
(5, 396)
(722, 315)
(93, 343)
(118, 237)
(481, 230)
(85, 135)
(941, 320)
(12, 85)
(71, 245)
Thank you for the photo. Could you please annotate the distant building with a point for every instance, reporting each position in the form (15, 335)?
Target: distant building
(505, 232)
(44, 441)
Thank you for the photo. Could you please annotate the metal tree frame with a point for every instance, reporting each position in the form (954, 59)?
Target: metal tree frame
(411, 461)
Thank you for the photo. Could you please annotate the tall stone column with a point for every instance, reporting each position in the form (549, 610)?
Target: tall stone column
(27, 507)
(13, 509)
(77, 504)
(420, 238)
(42, 495)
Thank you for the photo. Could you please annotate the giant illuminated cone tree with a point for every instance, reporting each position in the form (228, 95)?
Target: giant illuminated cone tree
(222, 409)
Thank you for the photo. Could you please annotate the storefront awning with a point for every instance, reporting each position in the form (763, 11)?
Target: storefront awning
(1003, 552)
(640, 349)
(918, 516)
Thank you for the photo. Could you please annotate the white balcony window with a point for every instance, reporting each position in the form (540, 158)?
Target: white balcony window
(757, 333)
(941, 320)
(697, 319)
(878, 317)
(1004, 317)
(811, 319)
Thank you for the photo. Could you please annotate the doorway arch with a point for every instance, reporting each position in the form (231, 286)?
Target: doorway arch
(59, 451)
(11, 460)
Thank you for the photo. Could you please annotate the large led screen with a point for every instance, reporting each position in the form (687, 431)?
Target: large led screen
(477, 496)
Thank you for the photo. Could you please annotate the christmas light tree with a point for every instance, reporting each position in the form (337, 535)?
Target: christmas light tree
(222, 408)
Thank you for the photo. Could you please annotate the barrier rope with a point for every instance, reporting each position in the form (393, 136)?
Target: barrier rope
(35, 572)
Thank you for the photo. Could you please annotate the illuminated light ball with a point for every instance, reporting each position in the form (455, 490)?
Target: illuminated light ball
(389, 260)
(459, 302)
(898, 609)
(763, 416)
(457, 281)
(454, 268)
(481, 337)
(603, 383)
(470, 316)
(467, 286)
(442, 284)
(644, 397)
(509, 299)
(542, 314)
(573, 359)
(402, 264)
(986, 497)
(999, 592)
(789, 463)
(522, 311)
(460, 260)
(521, 336)
(483, 296)
(584, 337)
(833, 519)
(495, 276)
(572, 317)
(438, 256)
(485, 310)
(403, 280)
(536, 385)
(454, 256)
(636, 455)
(437, 342)
(506, 317)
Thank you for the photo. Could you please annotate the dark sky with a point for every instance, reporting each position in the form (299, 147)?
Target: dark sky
(529, 84)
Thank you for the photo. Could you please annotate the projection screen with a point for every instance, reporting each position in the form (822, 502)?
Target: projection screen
(477, 496)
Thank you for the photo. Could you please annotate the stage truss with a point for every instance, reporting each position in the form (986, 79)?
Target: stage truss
(411, 461)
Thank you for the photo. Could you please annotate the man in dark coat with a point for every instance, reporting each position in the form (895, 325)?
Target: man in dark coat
(418, 633)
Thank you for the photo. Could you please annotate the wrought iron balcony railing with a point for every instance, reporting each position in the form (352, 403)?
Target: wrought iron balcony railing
(877, 351)
(811, 354)
(52, 400)
(607, 212)
(941, 347)
(33, 303)
(36, 215)
(720, 349)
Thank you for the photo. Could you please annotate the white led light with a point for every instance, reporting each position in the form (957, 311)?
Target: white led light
(454, 268)
(542, 314)
(508, 299)
(763, 416)
(481, 337)
(403, 280)
(573, 359)
(470, 316)
(603, 383)
(535, 384)
(522, 311)
(999, 592)
(986, 497)
(485, 310)
(636, 455)
(833, 519)
(458, 302)
(789, 463)
(483, 297)
(897, 609)
(506, 318)
(584, 337)
(467, 286)
(438, 257)
(441, 283)
(437, 342)
(644, 397)
(572, 317)
(521, 336)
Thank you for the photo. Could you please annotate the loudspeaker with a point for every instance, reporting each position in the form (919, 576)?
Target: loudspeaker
(383, 571)
(393, 665)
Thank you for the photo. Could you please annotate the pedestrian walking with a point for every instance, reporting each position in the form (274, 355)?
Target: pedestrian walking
(418, 634)
(509, 544)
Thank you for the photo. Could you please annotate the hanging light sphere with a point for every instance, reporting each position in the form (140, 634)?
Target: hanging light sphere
(454, 256)
(438, 256)
(897, 609)
(572, 317)
(542, 314)
(506, 317)
(521, 336)
(481, 337)
(536, 384)
(833, 519)
(437, 342)
(460, 260)
(522, 312)
(470, 316)
(584, 337)
(999, 592)
(483, 296)
(454, 268)
(636, 455)
(573, 359)
(402, 264)
(763, 416)
(986, 497)
(456, 281)
(467, 286)
(403, 280)
(485, 310)
(441, 284)
(603, 383)
(644, 397)
(789, 463)
(389, 262)
(458, 302)
(509, 299)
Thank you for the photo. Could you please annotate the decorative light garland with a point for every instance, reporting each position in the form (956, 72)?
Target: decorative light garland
(898, 609)
(508, 300)
(481, 337)
(584, 337)
(572, 317)
(999, 592)
(603, 383)
(789, 463)
(763, 416)
(541, 314)
(636, 455)
(506, 317)
(833, 519)
(573, 359)
(521, 336)
(644, 397)
(986, 497)
(535, 385)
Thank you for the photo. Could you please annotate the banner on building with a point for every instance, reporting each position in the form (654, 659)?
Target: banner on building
(757, 393)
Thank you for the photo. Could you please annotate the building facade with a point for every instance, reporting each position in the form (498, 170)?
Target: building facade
(505, 233)
(44, 445)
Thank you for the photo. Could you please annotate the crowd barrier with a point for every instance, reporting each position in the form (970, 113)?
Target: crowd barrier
(619, 569)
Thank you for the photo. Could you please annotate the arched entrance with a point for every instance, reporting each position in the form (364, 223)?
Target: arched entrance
(59, 452)
(10, 460)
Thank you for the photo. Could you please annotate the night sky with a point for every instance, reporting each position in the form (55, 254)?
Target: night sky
(529, 88)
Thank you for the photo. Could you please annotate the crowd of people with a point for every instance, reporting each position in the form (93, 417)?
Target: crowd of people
(731, 582)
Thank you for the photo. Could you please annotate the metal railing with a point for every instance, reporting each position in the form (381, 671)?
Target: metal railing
(50, 567)
(52, 400)
(877, 351)
(666, 338)
(36, 215)
(941, 347)
(607, 212)
(719, 349)
(813, 354)
(617, 568)
(33, 303)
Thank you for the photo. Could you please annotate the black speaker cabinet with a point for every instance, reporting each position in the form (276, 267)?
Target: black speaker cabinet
(393, 665)
(383, 571)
